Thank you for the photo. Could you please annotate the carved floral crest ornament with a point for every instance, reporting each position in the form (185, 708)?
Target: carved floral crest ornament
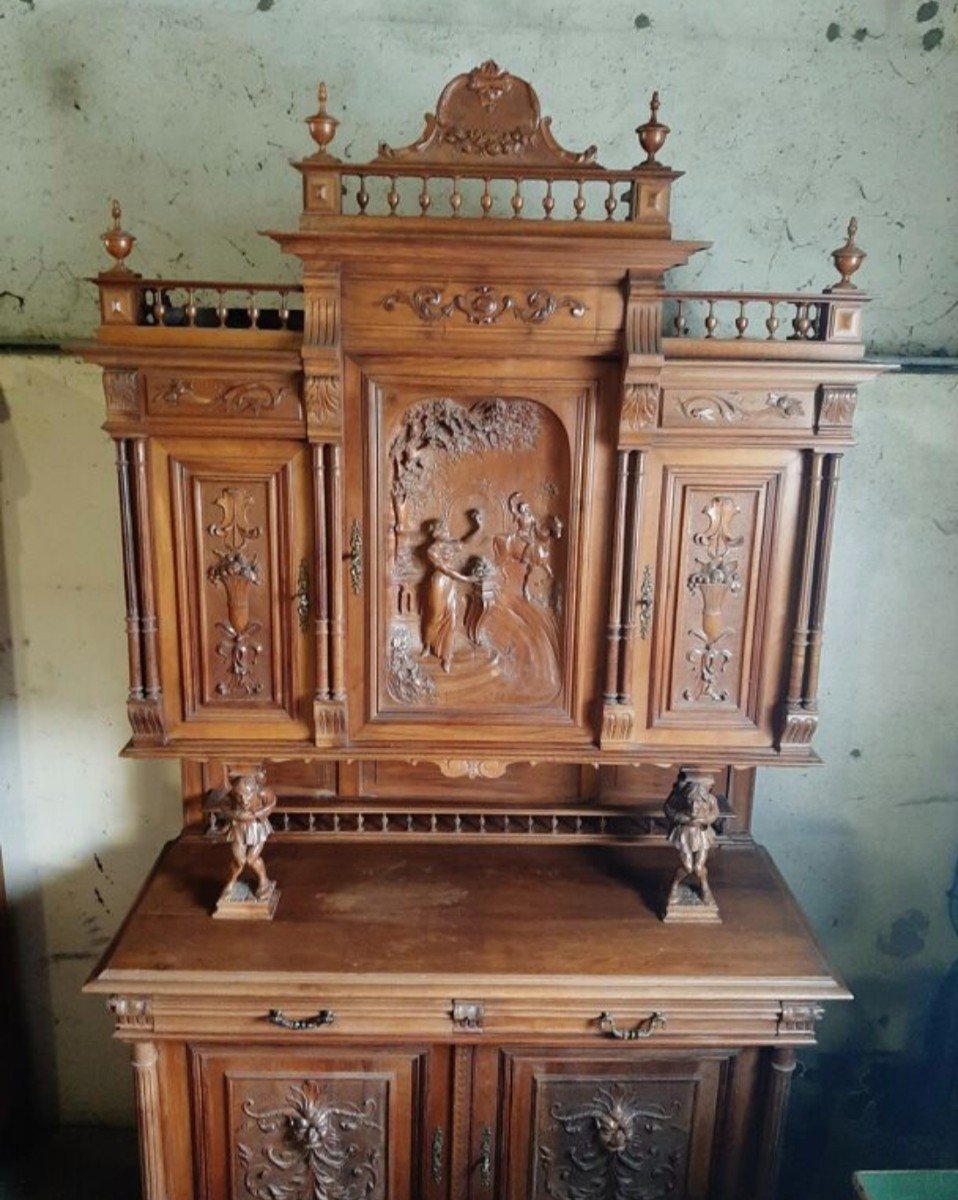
(479, 546)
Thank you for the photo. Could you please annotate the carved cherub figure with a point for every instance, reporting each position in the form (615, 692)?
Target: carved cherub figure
(692, 809)
(531, 543)
(247, 807)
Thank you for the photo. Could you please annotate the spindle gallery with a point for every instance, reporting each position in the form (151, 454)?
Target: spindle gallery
(470, 580)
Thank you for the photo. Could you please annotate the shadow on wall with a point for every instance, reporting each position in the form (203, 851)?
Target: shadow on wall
(864, 1109)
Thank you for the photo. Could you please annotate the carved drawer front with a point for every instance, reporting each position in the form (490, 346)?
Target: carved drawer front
(716, 547)
(773, 410)
(477, 574)
(215, 397)
(234, 549)
(580, 1125)
(281, 1124)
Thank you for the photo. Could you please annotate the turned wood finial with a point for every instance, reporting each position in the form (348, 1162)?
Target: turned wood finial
(653, 133)
(118, 242)
(322, 126)
(847, 260)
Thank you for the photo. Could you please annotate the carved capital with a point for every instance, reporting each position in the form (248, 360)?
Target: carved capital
(836, 407)
(147, 721)
(618, 723)
(131, 1012)
(124, 395)
(329, 720)
(798, 728)
(324, 403)
(798, 1018)
(640, 406)
(468, 1015)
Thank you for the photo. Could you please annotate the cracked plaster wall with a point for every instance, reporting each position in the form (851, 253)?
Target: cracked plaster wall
(788, 116)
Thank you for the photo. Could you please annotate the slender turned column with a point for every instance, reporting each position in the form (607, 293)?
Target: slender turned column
(131, 582)
(781, 1066)
(151, 669)
(821, 585)
(149, 1120)
(630, 570)
(321, 622)
(337, 626)
(796, 679)
(614, 635)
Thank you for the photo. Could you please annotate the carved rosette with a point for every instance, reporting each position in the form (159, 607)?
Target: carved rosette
(613, 1142)
(312, 1145)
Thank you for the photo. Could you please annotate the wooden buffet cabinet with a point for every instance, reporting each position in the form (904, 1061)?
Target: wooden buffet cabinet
(470, 581)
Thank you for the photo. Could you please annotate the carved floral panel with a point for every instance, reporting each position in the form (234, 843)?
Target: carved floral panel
(320, 1138)
(475, 525)
(620, 1138)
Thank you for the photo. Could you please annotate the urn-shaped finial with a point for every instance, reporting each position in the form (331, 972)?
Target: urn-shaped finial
(322, 126)
(847, 260)
(117, 241)
(653, 133)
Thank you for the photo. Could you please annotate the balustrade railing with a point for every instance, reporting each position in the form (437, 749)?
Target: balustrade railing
(740, 316)
(185, 304)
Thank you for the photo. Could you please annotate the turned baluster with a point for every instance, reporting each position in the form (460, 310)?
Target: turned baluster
(455, 200)
(190, 307)
(517, 200)
(221, 310)
(801, 322)
(710, 320)
(392, 197)
(159, 308)
(579, 202)
(424, 198)
(814, 312)
(485, 200)
(680, 324)
(283, 310)
(611, 204)
(548, 200)
(741, 321)
(362, 196)
(253, 309)
(771, 323)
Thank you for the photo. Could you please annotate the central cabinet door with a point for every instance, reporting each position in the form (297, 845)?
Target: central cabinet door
(476, 535)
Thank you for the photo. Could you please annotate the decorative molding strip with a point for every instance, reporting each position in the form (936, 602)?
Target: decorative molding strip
(482, 305)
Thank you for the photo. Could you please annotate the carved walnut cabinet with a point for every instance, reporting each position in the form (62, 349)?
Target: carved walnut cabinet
(470, 580)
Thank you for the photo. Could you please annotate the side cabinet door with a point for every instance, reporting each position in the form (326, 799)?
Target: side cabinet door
(476, 514)
(234, 548)
(275, 1122)
(716, 556)
(621, 1123)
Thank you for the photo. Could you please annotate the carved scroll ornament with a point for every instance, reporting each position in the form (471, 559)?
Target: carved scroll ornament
(237, 572)
(482, 305)
(716, 577)
(247, 398)
(485, 115)
(313, 1147)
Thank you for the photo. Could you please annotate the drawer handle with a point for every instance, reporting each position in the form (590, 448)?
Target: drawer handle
(276, 1016)
(644, 1029)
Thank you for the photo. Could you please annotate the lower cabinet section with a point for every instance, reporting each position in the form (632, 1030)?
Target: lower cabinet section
(466, 1121)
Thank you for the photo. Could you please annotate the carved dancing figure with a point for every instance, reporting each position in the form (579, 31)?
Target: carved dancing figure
(443, 603)
(531, 544)
(248, 805)
(692, 809)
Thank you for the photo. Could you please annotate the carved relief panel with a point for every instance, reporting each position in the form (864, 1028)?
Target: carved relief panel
(718, 533)
(628, 1127)
(475, 518)
(234, 546)
(306, 1125)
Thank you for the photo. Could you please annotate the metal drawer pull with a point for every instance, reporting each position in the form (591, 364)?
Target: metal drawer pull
(485, 1159)
(276, 1016)
(644, 1029)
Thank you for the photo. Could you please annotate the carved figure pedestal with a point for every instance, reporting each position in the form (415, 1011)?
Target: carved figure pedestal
(246, 807)
(692, 809)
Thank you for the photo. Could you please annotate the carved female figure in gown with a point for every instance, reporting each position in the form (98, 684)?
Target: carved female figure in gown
(443, 607)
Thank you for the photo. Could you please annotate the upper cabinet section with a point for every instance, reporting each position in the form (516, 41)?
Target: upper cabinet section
(479, 489)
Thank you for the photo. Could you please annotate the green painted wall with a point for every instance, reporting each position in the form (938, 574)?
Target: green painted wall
(787, 117)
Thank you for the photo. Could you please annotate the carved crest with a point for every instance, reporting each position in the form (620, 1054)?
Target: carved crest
(488, 114)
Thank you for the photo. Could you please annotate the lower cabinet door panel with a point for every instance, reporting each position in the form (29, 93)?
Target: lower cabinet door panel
(279, 1123)
(625, 1124)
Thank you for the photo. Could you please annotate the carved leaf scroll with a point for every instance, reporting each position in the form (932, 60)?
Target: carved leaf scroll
(237, 572)
(249, 398)
(483, 116)
(312, 1146)
(715, 578)
(482, 305)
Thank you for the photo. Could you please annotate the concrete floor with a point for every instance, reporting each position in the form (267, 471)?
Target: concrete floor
(73, 1163)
